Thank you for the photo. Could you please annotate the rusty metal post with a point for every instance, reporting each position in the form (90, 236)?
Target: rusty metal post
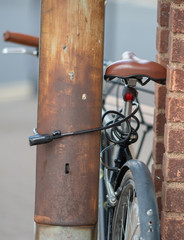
(70, 85)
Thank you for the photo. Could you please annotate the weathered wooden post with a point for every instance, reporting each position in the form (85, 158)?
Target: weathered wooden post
(70, 81)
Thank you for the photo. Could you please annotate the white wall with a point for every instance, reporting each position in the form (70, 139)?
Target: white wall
(130, 25)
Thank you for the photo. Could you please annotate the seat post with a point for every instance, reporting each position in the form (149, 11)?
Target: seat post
(129, 94)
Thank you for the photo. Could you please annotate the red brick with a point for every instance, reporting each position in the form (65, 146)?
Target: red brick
(172, 227)
(159, 123)
(177, 20)
(176, 49)
(158, 151)
(173, 168)
(163, 13)
(175, 79)
(178, 1)
(162, 59)
(157, 178)
(162, 40)
(172, 198)
(174, 140)
(160, 95)
(175, 109)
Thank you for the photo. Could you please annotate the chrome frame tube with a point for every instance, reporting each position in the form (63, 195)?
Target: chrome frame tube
(127, 112)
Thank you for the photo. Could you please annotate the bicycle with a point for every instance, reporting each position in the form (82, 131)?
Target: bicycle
(133, 190)
(131, 211)
(19, 38)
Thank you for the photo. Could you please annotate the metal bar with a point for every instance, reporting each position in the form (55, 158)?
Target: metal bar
(60, 232)
(140, 112)
(149, 159)
(138, 88)
(141, 145)
(101, 212)
(127, 112)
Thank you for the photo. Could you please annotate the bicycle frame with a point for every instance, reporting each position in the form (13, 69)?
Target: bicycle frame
(123, 154)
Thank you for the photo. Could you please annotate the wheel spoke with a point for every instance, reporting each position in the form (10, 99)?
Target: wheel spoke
(129, 213)
(122, 223)
(134, 231)
(126, 220)
(135, 218)
(128, 216)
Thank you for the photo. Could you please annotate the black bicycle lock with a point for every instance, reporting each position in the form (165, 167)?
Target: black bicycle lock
(40, 139)
(46, 138)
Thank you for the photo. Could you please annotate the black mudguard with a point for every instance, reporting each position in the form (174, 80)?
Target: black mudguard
(148, 210)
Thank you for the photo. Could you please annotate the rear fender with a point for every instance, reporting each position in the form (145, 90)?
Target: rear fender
(145, 192)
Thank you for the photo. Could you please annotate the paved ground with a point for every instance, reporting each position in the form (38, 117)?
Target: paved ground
(17, 169)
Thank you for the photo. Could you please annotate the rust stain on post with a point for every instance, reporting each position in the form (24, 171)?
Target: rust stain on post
(42, 219)
(70, 84)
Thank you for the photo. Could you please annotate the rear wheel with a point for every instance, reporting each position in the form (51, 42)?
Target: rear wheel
(126, 223)
(135, 216)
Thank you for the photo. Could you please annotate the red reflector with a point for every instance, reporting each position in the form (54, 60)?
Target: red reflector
(129, 97)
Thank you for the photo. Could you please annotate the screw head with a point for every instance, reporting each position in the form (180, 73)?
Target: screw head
(149, 212)
(84, 96)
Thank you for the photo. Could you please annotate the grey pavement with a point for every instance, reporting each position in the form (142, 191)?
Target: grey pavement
(17, 169)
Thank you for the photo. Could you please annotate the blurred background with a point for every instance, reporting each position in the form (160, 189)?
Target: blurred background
(129, 25)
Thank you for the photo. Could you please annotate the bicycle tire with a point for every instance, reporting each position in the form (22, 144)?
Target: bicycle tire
(135, 216)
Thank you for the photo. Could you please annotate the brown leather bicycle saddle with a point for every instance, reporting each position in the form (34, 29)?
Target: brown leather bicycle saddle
(133, 67)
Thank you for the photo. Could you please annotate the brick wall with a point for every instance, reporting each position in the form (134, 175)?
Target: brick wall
(160, 96)
(169, 120)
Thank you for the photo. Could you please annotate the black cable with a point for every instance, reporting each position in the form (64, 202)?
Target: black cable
(103, 127)
(45, 138)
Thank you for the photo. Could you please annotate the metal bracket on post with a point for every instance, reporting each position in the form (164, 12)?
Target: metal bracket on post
(63, 233)
(19, 51)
